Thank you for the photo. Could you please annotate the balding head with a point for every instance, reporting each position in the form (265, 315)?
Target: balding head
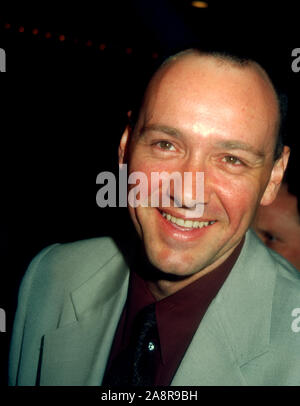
(223, 62)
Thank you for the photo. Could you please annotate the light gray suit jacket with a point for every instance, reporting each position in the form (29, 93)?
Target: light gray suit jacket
(73, 294)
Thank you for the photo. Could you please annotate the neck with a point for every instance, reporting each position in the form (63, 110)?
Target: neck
(162, 284)
(163, 288)
(165, 285)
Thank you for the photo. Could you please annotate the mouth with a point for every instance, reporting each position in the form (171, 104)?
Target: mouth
(182, 228)
(186, 224)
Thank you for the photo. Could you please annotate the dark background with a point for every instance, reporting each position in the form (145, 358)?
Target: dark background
(64, 102)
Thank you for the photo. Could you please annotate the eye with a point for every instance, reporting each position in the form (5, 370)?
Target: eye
(269, 237)
(233, 160)
(166, 145)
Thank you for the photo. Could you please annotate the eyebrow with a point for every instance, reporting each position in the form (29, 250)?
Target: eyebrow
(230, 144)
(236, 144)
(160, 128)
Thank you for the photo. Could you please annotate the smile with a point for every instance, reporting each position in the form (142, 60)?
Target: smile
(186, 223)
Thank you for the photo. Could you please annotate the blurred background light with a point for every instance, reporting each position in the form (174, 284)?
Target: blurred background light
(199, 4)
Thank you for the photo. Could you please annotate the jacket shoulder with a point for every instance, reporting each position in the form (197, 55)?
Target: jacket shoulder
(270, 260)
(70, 264)
(45, 290)
(285, 269)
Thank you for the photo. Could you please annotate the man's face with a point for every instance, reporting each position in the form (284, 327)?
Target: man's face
(201, 115)
(278, 226)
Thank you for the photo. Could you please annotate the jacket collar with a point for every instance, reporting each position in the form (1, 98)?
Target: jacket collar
(236, 327)
(76, 353)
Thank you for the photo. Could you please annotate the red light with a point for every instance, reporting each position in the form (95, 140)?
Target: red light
(21, 29)
(7, 26)
(48, 35)
(89, 43)
(62, 38)
(102, 47)
(35, 31)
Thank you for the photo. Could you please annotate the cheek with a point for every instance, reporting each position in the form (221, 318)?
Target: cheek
(292, 241)
(289, 252)
(238, 198)
(148, 169)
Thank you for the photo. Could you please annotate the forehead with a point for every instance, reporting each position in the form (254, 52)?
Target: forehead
(204, 90)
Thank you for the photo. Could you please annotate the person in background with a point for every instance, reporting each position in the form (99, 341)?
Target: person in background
(278, 225)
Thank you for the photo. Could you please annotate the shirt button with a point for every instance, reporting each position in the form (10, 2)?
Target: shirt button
(151, 346)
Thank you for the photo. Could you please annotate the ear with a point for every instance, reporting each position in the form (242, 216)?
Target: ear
(276, 178)
(123, 146)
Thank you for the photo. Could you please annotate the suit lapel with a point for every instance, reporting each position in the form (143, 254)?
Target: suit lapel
(236, 327)
(76, 353)
(208, 360)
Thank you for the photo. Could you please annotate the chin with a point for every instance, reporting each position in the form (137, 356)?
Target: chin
(171, 265)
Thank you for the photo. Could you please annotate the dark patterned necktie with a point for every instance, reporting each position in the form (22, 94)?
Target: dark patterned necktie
(136, 365)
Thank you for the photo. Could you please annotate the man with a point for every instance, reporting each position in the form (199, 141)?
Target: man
(221, 302)
(278, 225)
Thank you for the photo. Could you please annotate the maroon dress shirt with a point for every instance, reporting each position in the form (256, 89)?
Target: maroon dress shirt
(178, 317)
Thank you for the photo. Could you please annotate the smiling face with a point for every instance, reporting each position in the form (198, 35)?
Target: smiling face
(203, 115)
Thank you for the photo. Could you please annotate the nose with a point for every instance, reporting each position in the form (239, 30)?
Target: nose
(196, 187)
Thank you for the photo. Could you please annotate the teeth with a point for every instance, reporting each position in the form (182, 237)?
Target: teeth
(180, 222)
(187, 223)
